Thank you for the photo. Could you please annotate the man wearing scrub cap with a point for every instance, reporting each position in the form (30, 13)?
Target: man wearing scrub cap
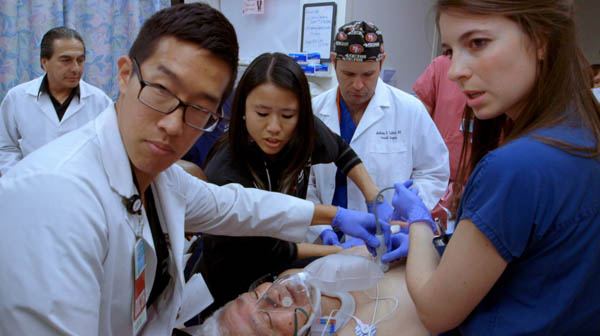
(388, 128)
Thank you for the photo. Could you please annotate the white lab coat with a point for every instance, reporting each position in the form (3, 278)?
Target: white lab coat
(68, 240)
(396, 141)
(28, 122)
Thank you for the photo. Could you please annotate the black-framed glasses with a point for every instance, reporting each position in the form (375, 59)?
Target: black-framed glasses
(161, 100)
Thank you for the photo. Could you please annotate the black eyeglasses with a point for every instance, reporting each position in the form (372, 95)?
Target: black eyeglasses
(161, 100)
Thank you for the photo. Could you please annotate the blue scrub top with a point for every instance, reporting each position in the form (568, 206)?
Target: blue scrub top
(347, 128)
(540, 208)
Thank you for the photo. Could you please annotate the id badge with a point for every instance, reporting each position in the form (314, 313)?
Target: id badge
(139, 286)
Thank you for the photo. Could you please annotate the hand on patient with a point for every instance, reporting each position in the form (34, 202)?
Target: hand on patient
(329, 237)
(352, 242)
(408, 205)
(397, 247)
(357, 224)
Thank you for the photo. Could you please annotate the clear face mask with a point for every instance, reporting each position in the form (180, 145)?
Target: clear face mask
(298, 296)
(289, 298)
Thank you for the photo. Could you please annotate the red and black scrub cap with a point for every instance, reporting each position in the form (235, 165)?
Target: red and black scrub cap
(358, 41)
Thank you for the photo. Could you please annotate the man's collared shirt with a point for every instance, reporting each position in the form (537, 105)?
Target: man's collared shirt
(58, 107)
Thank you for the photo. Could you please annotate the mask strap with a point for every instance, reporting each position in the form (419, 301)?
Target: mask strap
(296, 319)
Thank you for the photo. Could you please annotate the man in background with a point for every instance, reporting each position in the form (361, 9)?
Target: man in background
(389, 129)
(39, 111)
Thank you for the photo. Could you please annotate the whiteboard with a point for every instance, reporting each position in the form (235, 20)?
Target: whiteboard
(318, 27)
(278, 29)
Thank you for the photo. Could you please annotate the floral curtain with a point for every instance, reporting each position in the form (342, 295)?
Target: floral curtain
(108, 29)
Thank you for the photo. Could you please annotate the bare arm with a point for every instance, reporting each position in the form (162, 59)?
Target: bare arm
(446, 291)
(306, 250)
(359, 175)
(323, 214)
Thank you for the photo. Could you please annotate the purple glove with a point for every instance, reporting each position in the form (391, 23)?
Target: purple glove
(357, 224)
(384, 210)
(407, 204)
(384, 214)
(397, 247)
(328, 237)
(352, 242)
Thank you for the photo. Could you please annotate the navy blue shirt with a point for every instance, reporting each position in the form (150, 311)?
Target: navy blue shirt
(347, 129)
(199, 151)
(540, 208)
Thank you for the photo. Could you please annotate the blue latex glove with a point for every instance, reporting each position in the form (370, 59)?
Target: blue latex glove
(384, 210)
(407, 204)
(352, 242)
(397, 247)
(357, 224)
(396, 215)
(384, 214)
(328, 237)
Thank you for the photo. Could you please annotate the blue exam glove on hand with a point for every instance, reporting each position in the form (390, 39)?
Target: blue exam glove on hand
(397, 247)
(357, 224)
(352, 242)
(328, 237)
(384, 210)
(384, 213)
(407, 204)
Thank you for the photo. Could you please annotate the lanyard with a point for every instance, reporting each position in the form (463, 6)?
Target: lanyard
(134, 207)
(339, 107)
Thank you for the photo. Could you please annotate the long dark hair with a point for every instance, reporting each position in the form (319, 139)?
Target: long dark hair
(282, 71)
(561, 91)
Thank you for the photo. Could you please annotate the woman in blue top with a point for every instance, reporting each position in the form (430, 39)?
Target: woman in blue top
(525, 256)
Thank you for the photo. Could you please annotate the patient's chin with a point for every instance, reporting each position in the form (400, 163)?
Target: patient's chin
(213, 326)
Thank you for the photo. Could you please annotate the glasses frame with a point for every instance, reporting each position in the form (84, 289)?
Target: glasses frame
(217, 116)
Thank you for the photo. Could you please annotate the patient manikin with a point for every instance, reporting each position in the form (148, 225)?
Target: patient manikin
(292, 305)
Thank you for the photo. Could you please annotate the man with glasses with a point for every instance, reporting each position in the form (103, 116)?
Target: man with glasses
(93, 224)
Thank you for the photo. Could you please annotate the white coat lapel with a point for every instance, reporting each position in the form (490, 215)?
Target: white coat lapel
(78, 102)
(116, 164)
(114, 157)
(330, 113)
(170, 206)
(43, 100)
(375, 110)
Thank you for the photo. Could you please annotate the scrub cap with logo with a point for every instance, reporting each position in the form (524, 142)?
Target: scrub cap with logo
(358, 41)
